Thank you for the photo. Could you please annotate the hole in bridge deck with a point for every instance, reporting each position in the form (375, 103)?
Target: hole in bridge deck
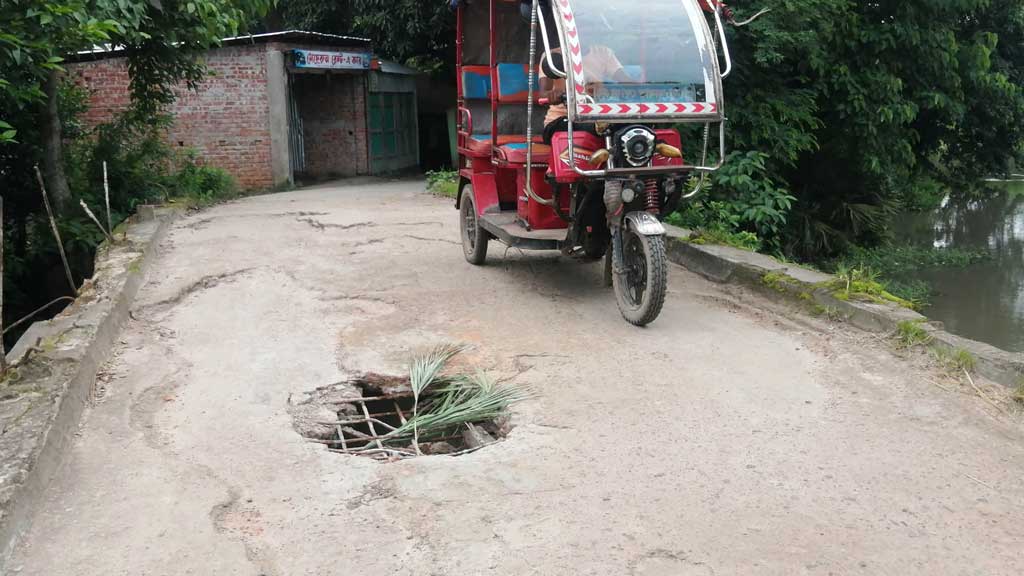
(371, 415)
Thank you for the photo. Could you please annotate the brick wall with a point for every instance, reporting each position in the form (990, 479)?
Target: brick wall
(333, 112)
(226, 120)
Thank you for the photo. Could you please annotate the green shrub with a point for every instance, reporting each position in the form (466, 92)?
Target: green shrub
(755, 201)
(141, 168)
(200, 185)
(443, 182)
(740, 205)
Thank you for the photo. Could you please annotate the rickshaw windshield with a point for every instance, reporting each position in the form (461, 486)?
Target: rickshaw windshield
(653, 51)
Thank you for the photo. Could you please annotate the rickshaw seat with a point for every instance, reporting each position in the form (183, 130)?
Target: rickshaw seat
(514, 83)
(476, 82)
(511, 147)
(515, 152)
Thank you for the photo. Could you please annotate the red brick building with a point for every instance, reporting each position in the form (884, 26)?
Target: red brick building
(281, 106)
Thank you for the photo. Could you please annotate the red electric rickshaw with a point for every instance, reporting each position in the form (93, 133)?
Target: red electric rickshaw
(598, 181)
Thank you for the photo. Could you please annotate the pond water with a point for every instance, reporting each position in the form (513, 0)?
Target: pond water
(984, 301)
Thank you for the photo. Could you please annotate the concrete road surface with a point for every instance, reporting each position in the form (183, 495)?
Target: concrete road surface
(726, 438)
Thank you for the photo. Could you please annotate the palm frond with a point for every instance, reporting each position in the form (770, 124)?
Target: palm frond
(424, 370)
(465, 399)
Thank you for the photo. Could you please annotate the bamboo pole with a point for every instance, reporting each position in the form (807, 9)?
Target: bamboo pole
(3, 349)
(95, 220)
(56, 232)
(106, 196)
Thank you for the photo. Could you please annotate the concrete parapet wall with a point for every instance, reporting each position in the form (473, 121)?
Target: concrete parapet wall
(56, 364)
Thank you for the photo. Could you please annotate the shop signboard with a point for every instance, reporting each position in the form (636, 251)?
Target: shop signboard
(331, 60)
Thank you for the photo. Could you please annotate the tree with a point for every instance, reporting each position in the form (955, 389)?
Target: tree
(864, 106)
(162, 39)
(35, 38)
(417, 33)
(420, 34)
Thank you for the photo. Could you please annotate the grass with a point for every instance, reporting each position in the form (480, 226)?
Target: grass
(777, 281)
(1018, 393)
(711, 224)
(859, 283)
(742, 240)
(195, 200)
(910, 334)
(443, 183)
(892, 265)
(955, 359)
(830, 313)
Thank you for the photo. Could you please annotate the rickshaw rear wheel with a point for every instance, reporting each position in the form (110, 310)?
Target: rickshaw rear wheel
(474, 238)
(641, 287)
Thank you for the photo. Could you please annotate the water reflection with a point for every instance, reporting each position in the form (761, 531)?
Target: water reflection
(984, 301)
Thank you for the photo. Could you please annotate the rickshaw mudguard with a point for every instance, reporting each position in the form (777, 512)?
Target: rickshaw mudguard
(645, 224)
(485, 192)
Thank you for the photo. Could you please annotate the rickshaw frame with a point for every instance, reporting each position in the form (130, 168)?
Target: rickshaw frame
(579, 201)
(563, 15)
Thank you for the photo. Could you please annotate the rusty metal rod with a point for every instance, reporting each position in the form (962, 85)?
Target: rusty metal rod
(369, 423)
(36, 311)
(368, 439)
(401, 416)
(350, 422)
(341, 436)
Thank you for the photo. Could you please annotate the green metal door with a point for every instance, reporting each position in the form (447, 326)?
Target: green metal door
(393, 138)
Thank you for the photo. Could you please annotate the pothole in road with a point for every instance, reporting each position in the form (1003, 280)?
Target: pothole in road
(378, 416)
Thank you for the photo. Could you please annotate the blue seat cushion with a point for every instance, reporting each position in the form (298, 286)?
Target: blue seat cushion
(476, 82)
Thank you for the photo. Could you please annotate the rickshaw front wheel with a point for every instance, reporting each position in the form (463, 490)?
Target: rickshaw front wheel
(474, 238)
(641, 286)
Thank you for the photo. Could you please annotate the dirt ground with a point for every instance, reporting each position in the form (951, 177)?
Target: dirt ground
(727, 438)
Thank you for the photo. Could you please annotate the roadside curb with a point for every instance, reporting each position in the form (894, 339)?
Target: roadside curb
(725, 264)
(40, 410)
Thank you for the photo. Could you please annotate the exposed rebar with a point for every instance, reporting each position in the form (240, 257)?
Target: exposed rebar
(29, 316)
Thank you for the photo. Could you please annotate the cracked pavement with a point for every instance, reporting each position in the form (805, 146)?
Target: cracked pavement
(729, 437)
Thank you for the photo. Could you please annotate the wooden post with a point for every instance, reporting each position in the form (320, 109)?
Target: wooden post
(56, 233)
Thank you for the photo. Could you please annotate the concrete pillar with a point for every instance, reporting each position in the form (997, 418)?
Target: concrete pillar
(278, 95)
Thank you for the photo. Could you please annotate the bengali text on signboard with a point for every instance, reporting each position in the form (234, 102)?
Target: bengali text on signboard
(331, 60)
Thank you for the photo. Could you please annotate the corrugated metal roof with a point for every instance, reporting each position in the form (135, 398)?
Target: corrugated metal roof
(297, 35)
(106, 50)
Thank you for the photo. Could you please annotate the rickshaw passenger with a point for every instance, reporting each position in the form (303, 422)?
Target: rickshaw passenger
(599, 64)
